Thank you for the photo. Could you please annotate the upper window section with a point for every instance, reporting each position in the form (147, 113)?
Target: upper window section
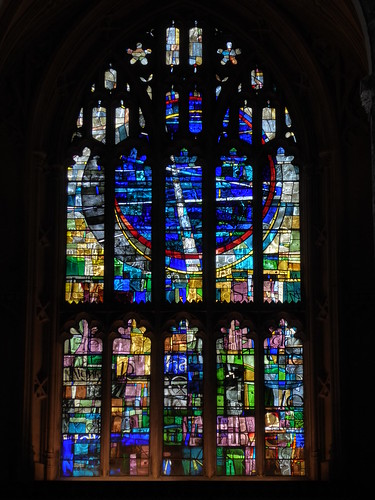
(182, 182)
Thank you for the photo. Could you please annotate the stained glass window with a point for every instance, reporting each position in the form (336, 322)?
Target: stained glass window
(130, 414)
(257, 79)
(85, 229)
(132, 265)
(236, 213)
(110, 78)
(288, 123)
(183, 402)
(268, 123)
(284, 402)
(195, 112)
(183, 229)
(121, 123)
(172, 46)
(234, 230)
(99, 122)
(229, 54)
(172, 111)
(183, 201)
(235, 421)
(81, 411)
(195, 46)
(281, 230)
(139, 54)
(246, 123)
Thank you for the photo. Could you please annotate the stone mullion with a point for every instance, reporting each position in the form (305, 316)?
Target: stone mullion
(259, 402)
(156, 405)
(106, 416)
(157, 161)
(208, 141)
(209, 399)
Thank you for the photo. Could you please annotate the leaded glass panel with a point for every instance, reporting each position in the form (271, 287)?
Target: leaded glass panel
(281, 230)
(81, 402)
(130, 403)
(234, 230)
(284, 402)
(172, 112)
(183, 229)
(85, 229)
(183, 196)
(235, 421)
(195, 46)
(99, 123)
(172, 46)
(132, 264)
(183, 402)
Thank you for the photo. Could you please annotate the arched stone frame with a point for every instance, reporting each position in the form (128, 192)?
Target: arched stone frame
(320, 234)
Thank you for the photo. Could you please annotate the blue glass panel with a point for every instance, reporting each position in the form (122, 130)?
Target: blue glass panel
(81, 403)
(234, 229)
(195, 112)
(172, 112)
(183, 229)
(183, 403)
(133, 196)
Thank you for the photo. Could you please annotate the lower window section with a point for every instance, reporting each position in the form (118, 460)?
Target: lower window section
(126, 448)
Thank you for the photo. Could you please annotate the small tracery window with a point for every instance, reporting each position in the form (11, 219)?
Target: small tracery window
(172, 46)
(183, 208)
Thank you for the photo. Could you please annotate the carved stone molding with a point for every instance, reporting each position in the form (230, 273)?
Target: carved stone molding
(44, 238)
(367, 93)
(40, 386)
(325, 160)
(321, 236)
(39, 158)
(324, 385)
(41, 311)
(322, 309)
(56, 169)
